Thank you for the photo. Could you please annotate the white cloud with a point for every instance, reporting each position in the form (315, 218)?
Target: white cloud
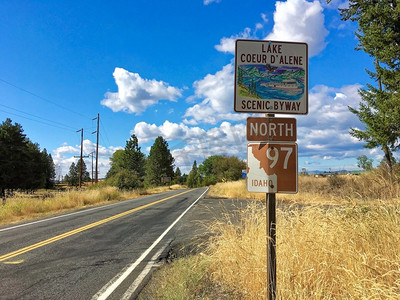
(170, 131)
(135, 93)
(190, 122)
(329, 106)
(65, 149)
(264, 17)
(227, 45)
(216, 90)
(340, 96)
(64, 156)
(300, 21)
(195, 143)
(227, 139)
(324, 132)
(294, 21)
(206, 2)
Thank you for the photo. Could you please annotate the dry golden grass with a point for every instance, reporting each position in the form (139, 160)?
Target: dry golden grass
(238, 254)
(316, 195)
(350, 250)
(348, 253)
(162, 189)
(337, 190)
(25, 207)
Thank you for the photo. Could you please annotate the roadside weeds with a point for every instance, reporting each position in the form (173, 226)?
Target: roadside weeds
(23, 207)
(339, 248)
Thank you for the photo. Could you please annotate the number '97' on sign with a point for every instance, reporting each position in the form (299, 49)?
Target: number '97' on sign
(272, 167)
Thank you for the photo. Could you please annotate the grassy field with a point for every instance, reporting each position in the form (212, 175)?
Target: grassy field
(27, 206)
(343, 243)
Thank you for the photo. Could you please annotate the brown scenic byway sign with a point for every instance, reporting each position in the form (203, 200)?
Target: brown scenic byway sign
(272, 167)
(271, 129)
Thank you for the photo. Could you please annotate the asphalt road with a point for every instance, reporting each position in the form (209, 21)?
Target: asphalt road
(97, 253)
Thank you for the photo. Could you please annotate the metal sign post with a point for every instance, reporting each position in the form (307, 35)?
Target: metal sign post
(270, 203)
(271, 245)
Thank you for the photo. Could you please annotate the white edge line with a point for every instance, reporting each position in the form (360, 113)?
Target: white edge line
(71, 214)
(110, 287)
(129, 292)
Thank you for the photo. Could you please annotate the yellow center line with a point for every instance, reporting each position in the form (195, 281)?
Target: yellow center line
(80, 229)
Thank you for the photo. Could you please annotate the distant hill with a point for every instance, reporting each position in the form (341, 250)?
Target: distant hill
(253, 72)
(279, 75)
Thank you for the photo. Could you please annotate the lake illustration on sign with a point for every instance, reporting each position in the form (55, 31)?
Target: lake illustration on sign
(271, 82)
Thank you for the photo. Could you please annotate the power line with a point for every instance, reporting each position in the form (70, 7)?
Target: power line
(43, 98)
(29, 114)
(35, 120)
(105, 132)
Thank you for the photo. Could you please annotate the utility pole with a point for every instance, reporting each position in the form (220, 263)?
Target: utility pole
(97, 147)
(81, 158)
(92, 154)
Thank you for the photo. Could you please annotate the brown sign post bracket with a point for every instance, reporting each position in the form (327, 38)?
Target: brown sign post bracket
(271, 129)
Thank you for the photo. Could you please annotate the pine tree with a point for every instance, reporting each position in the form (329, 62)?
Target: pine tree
(49, 171)
(178, 176)
(22, 164)
(72, 178)
(379, 36)
(127, 166)
(194, 179)
(85, 173)
(159, 163)
(134, 158)
(13, 155)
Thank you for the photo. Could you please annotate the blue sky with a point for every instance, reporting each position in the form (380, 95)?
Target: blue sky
(167, 68)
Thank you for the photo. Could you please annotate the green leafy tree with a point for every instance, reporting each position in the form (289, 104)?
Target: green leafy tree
(208, 171)
(379, 36)
(160, 162)
(221, 168)
(193, 179)
(117, 163)
(207, 166)
(127, 166)
(364, 162)
(229, 168)
(125, 179)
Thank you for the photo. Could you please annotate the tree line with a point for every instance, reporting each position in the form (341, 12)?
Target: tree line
(216, 168)
(130, 168)
(22, 164)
